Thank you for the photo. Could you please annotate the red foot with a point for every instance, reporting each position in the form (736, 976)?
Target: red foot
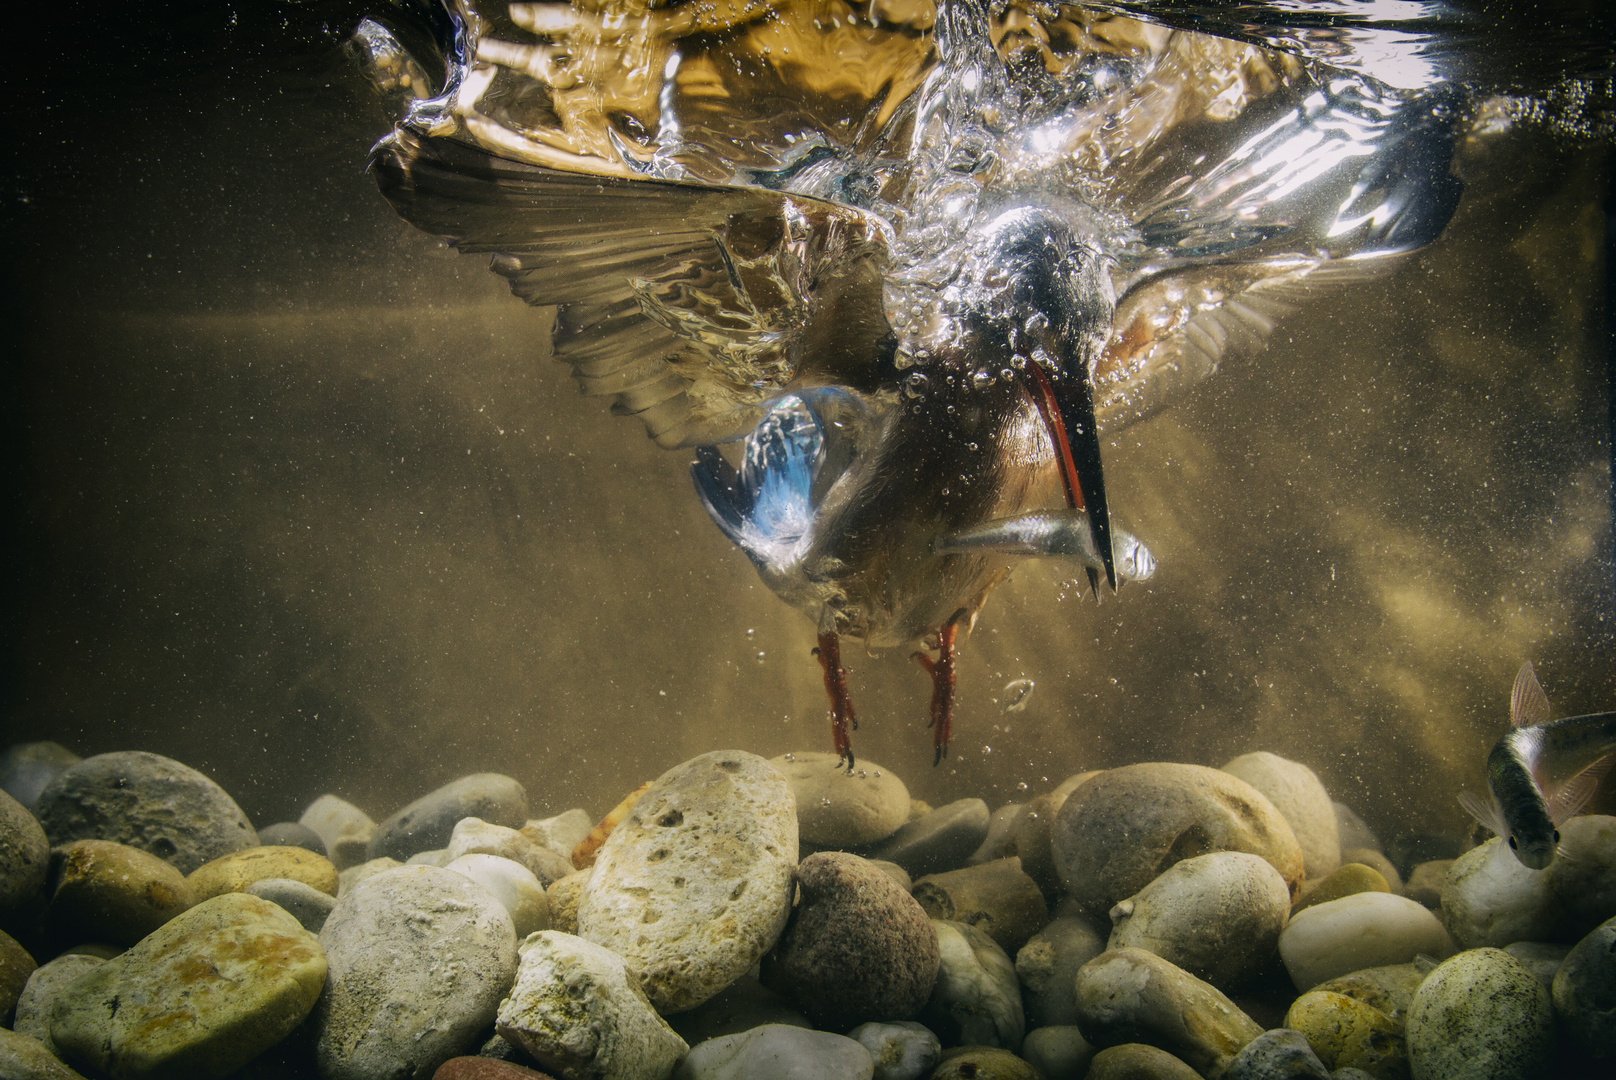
(942, 689)
(841, 705)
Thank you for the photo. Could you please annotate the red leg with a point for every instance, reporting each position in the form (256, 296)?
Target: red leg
(841, 705)
(942, 689)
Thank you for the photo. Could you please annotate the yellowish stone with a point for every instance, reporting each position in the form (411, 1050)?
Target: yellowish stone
(1346, 1033)
(1345, 881)
(239, 869)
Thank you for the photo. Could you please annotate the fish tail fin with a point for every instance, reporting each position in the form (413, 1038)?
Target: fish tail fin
(1485, 811)
(1528, 704)
(1574, 794)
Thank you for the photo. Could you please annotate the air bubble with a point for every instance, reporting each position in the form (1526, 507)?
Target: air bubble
(981, 379)
(915, 384)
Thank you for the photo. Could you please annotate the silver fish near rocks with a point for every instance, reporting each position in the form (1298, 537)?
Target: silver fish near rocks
(1541, 772)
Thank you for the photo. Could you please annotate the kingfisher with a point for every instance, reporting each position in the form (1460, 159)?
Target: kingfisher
(890, 268)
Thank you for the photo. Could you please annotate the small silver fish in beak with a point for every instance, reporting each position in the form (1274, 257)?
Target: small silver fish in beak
(1053, 533)
(1541, 772)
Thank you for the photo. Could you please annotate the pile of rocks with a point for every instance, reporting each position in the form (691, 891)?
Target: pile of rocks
(785, 919)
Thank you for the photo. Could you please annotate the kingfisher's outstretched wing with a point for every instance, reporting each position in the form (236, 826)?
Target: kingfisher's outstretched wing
(689, 306)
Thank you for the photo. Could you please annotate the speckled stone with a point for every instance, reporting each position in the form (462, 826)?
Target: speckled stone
(427, 823)
(146, 801)
(983, 1063)
(1217, 916)
(308, 905)
(564, 896)
(1280, 1054)
(16, 966)
(239, 869)
(1347, 880)
(1481, 1015)
(347, 879)
(742, 1005)
(1060, 1051)
(202, 995)
(995, 897)
(777, 1052)
(345, 830)
(1296, 792)
(24, 857)
(420, 958)
(695, 884)
(1585, 992)
(112, 892)
(902, 1050)
(578, 1011)
(1047, 967)
(26, 769)
(1121, 829)
(292, 834)
(976, 999)
(1130, 995)
(1363, 930)
(482, 1068)
(1389, 989)
(857, 947)
(44, 986)
(840, 810)
(474, 836)
(940, 840)
(1137, 1061)
(23, 1057)
(513, 885)
(1346, 1033)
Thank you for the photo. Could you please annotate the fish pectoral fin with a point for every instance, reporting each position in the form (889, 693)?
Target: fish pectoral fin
(1484, 811)
(1574, 794)
(1528, 704)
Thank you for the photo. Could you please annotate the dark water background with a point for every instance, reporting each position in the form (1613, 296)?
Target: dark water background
(297, 497)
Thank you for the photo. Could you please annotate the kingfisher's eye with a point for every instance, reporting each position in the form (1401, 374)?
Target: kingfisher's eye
(1513, 846)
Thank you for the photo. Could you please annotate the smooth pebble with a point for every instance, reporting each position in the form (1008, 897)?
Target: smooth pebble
(235, 871)
(104, 891)
(939, 840)
(995, 897)
(344, 829)
(1047, 966)
(837, 809)
(1058, 1051)
(44, 986)
(23, 1057)
(1346, 1033)
(1364, 930)
(1279, 1054)
(24, 857)
(1347, 880)
(513, 885)
(26, 768)
(1296, 792)
(901, 1049)
(1138, 1061)
(1585, 992)
(292, 834)
(308, 905)
(428, 822)
(474, 836)
(778, 1052)
(976, 999)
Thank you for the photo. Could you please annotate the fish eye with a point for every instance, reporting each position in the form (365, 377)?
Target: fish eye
(1513, 846)
(1556, 836)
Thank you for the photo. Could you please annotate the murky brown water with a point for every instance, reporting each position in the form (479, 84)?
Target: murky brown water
(306, 506)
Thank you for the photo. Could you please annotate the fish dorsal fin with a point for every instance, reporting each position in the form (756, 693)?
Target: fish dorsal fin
(1575, 792)
(1528, 704)
(1484, 811)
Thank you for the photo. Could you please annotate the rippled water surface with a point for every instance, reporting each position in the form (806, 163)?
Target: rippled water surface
(302, 503)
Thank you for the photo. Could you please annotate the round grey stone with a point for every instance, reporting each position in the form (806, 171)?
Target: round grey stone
(291, 834)
(1542, 958)
(857, 948)
(695, 884)
(1296, 792)
(1585, 992)
(837, 809)
(742, 1005)
(938, 841)
(308, 905)
(44, 986)
(976, 1001)
(148, 802)
(419, 958)
(26, 768)
(903, 1049)
(1280, 1054)
(779, 1052)
(1138, 1061)
(1059, 1051)
(1481, 1014)
(427, 823)
(1217, 916)
(24, 856)
(1352, 830)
